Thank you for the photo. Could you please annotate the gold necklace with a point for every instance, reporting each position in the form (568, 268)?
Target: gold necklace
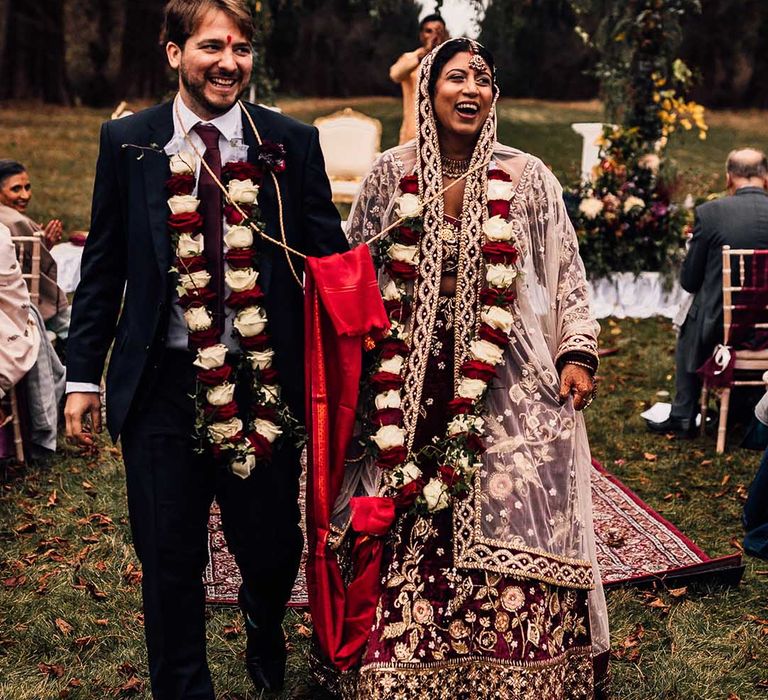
(454, 169)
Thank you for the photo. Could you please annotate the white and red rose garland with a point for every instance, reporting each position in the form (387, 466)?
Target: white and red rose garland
(459, 450)
(239, 435)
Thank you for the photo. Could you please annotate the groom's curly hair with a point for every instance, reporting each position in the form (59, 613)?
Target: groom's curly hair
(183, 17)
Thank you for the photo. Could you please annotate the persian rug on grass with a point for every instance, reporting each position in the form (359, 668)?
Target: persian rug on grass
(635, 546)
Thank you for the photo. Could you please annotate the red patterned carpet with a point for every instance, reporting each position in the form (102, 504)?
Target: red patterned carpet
(635, 546)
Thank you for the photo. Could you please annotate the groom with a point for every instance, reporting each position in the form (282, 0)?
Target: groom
(151, 376)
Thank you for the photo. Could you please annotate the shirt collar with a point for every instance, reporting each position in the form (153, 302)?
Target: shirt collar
(230, 124)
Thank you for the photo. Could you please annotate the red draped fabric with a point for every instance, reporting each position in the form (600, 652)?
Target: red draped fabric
(342, 306)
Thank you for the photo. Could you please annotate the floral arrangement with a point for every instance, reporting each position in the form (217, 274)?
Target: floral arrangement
(239, 431)
(456, 453)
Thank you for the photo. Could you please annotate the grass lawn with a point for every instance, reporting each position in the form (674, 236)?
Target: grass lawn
(69, 585)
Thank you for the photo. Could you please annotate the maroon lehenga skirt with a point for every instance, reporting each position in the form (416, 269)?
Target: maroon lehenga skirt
(442, 632)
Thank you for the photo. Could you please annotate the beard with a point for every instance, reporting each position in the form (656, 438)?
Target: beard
(196, 90)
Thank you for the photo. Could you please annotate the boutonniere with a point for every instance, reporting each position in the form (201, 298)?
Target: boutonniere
(270, 156)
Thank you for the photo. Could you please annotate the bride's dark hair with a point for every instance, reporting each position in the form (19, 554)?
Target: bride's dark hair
(448, 50)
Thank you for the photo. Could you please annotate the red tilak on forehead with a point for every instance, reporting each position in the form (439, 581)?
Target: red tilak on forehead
(229, 39)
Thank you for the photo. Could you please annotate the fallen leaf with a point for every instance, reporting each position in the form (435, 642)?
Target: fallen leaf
(231, 631)
(725, 480)
(303, 631)
(678, 592)
(649, 456)
(132, 575)
(25, 528)
(53, 499)
(735, 542)
(126, 669)
(132, 686)
(51, 670)
(102, 622)
(14, 581)
(90, 539)
(84, 642)
(63, 626)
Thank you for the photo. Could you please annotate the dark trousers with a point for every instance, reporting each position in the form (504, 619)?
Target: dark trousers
(687, 384)
(170, 490)
(756, 513)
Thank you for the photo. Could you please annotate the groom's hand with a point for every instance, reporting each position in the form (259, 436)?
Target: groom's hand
(83, 409)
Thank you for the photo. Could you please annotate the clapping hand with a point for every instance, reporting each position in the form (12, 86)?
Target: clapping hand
(577, 380)
(52, 232)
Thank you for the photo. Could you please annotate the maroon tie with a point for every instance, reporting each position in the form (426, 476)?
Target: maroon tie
(209, 194)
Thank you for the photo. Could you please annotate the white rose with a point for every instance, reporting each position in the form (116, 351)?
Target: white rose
(436, 494)
(241, 280)
(194, 280)
(388, 436)
(238, 237)
(183, 204)
(391, 292)
(471, 388)
(224, 431)
(244, 467)
(463, 423)
(267, 429)
(631, 202)
(211, 357)
(405, 253)
(270, 393)
(189, 245)
(261, 359)
(183, 163)
(485, 351)
(388, 399)
(590, 207)
(409, 472)
(499, 189)
(198, 318)
(393, 364)
(498, 229)
(242, 191)
(220, 395)
(398, 329)
(496, 317)
(250, 321)
(500, 276)
(407, 206)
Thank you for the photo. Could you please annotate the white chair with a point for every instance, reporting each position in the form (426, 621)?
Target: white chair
(350, 142)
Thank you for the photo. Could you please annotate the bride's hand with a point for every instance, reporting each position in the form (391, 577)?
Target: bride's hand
(578, 381)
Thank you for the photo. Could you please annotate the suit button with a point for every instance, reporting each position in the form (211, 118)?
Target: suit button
(146, 348)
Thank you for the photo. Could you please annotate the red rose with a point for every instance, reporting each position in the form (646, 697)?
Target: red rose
(241, 170)
(497, 174)
(188, 222)
(255, 342)
(265, 412)
(268, 375)
(390, 458)
(500, 253)
(387, 416)
(233, 216)
(406, 235)
(238, 300)
(460, 405)
(478, 370)
(237, 437)
(200, 296)
(261, 446)
(204, 339)
(221, 413)
(401, 270)
(448, 475)
(407, 495)
(193, 264)
(386, 381)
(493, 335)
(239, 257)
(475, 443)
(392, 346)
(180, 184)
(397, 310)
(409, 184)
(496, 297)
(498, 207)
(212, 377)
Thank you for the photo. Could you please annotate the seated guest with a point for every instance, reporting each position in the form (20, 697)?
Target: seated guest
(740, 221)
(756, 508)
(15, 194)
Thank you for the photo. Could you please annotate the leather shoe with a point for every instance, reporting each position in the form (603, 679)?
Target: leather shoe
(265, 654)
(681, 427)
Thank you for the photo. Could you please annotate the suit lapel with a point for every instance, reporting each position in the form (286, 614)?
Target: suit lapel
(156, 172)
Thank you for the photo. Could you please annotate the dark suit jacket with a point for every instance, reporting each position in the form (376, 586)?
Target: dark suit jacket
(740, 221)
(129, 247)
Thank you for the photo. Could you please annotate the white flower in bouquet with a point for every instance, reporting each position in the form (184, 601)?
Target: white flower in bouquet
(211, 357)
(590, 207)
(270, 393)
(267, 429)
(436, 495)
(250, 321)
(496, 317)
(404, 253)
(238, 237)
(388, 436)
(485, 351)
(183, 163)
(220, 394)
(197, 318)
(631, 202)
(188, 245)
(242, 191)
(407, 206)
(261, 359)
(391, 292)
(183, 204)
(398, 329)
(464, 423)
(224, 430)
(498, 229)
(408, 472)
(500, 276)
(244, 467)
(393, 365)
(242, 279)
(194, 280)
(388, 399)
(471, 388)
(500, 189)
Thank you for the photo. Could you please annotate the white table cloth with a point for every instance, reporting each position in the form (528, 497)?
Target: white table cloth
(625, 295)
